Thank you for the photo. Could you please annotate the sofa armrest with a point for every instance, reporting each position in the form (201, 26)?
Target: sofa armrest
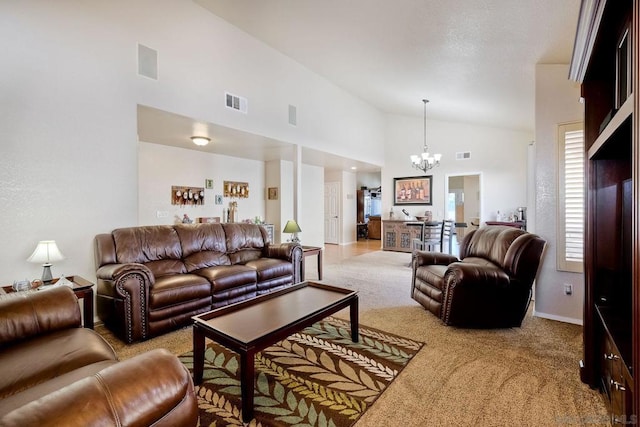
(281, 251)
(432, 258)
(129, 283)
(291, 252)
(465, 275)
(31, 313)
(153, 388)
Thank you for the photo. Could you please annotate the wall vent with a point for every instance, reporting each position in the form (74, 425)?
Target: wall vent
(293, 115)
(463, 155)
(147, 62)
(236, 102)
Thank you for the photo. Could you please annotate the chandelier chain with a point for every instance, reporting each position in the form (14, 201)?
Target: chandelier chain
(425, 161)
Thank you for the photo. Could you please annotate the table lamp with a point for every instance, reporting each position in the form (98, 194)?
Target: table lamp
(45, 252)
(293, 228)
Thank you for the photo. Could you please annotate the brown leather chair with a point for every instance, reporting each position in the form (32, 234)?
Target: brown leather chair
(488, 287)
(56, 373)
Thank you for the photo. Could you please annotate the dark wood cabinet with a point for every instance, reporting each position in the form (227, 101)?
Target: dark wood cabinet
(605, 62)
(375, 227)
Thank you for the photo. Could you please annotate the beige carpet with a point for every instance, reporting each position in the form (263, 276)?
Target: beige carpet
(524, 376)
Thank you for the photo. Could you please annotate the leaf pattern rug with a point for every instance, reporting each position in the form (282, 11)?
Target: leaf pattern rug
(317, 377)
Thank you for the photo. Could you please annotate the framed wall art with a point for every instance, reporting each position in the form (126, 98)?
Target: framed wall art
(181, 195)
(272, 193)
(413, 190)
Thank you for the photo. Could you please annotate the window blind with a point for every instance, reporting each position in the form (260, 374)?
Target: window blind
(571, 198)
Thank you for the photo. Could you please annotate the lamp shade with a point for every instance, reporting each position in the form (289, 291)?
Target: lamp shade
(46, 252)
(291, 227)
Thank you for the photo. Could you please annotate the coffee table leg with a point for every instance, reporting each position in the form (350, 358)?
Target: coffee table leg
(247, 385)
(198, 354)
(354, 319)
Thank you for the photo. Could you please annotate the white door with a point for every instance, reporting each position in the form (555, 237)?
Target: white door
(331, 212)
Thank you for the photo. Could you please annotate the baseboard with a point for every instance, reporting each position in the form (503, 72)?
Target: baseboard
(558, 318)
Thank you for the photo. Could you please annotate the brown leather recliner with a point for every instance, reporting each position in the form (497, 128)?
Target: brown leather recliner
(488, 287)
(53, 372)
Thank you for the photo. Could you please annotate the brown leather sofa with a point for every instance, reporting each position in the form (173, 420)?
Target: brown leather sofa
(488, 287)
(53, 372)
(153, 279)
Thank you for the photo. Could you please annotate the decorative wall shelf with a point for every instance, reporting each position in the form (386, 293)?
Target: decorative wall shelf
(236, 189)
(181, 195)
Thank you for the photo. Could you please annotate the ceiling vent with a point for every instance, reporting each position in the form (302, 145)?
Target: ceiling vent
(293, 115)
(147, 62)
(236, 102)
(463, 155)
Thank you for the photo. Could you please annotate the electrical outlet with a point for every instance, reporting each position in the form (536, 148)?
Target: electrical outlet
(568, 289)
(162, 214)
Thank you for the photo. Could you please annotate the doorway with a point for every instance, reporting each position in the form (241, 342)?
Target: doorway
(331, 212)
(464, 200)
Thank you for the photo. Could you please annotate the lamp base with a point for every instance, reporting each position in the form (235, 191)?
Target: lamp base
(47, 278)
(294, 239)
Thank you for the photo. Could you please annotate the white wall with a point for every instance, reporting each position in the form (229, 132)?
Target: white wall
(161, 167)
(349, 208)
(69, 88)
(499, 154)
(557, 101)
(368, 179)
(273, 207)
(311, 218)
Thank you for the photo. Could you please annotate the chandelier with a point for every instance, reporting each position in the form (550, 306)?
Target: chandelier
(425, 161)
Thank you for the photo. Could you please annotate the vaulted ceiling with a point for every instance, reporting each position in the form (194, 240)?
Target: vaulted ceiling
(474, 59)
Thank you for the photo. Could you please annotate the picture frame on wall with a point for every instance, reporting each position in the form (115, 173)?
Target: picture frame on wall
(272, 193)
(413, 190)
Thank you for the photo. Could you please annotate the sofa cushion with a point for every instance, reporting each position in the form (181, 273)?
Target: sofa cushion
(245, 242)
(270, 268)
(178, 288)
(479, 261)
(24, 315)
(28, 363)
(9, 403)
(492, 243)
(157, 246)
(203, 245)
(229, 276)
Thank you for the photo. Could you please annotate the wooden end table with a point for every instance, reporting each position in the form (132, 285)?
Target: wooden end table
(250, 326)
(83, 290)
(308, 251)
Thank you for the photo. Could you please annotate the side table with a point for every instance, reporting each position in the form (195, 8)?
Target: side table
(83, 290)
(308, 251)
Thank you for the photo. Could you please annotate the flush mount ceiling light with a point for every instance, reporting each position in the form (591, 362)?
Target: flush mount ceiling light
(425, 161)
(200, 140)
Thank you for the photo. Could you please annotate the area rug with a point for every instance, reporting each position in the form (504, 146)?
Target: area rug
(317, 377)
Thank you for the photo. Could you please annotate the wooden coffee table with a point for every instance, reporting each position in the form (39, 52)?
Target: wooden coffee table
(250, 326)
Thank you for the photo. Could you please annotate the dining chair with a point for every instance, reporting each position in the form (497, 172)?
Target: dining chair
(431, 237)
(447, 235)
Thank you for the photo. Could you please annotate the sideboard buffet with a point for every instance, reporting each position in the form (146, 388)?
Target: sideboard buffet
(397, 235)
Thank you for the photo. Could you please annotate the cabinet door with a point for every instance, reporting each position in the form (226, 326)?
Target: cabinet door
(390, 237)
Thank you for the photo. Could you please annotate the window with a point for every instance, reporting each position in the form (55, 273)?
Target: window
(571, 192)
